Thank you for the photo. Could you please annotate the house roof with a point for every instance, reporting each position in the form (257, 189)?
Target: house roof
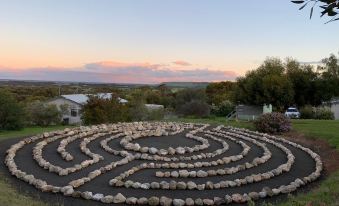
(82, 98)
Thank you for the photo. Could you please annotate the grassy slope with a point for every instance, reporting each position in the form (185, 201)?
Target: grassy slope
(8, 195)
(326, 194)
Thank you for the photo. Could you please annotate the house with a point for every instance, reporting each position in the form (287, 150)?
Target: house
(334, 106)
(74, 103)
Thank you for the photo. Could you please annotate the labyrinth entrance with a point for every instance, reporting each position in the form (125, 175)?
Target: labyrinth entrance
(163, 163)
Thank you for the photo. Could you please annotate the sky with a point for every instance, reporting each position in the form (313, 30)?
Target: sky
(152, 41)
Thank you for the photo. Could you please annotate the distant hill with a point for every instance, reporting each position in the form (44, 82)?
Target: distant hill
(11, 82)
(192, 85)
(179, 85)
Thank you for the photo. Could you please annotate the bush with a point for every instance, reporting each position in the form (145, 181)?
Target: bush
(99, 110)
(43, 114)
(137, 110)
(156, 114)
(307, 112)
(273, 123)
(223, 109)
(192, 102)
(11, 113)
(324, 113)
(194, 108)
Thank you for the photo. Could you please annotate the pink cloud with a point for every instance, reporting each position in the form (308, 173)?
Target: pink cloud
(117, 72)
(182, 63)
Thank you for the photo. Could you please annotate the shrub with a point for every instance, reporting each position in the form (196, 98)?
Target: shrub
(273, 123)
(307, 112)
(156, 114)
(324, 113)
(11, 113)
(137, 110)
(43, 114)
(194, 108)
(223, 109)
(99, 110)
(192, 102)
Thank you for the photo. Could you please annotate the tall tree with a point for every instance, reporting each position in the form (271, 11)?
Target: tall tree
(304, 80)
(266, 85)
(330, 75)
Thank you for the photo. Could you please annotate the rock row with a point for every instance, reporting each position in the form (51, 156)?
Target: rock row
(186, 168)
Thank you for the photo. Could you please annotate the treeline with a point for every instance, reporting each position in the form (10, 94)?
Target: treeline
(15, 115)
(277, 82)
(285, 83)
(34, 92)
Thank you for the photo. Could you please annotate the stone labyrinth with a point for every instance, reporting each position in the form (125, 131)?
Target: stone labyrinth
(163, 163)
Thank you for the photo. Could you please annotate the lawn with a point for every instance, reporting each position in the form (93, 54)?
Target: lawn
(326, 194)
(28, 131)
(324, 129)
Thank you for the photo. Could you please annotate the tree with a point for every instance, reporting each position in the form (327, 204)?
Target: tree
(304, 81)
(219, 92)
(137, 110)
(43, 114)
(329, 71)
(192, 102)
(11, 113)
(99, 110)
(266, 85)
(329, 8)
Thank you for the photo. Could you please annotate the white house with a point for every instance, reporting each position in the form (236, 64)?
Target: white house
(334, 105)
(75, 103)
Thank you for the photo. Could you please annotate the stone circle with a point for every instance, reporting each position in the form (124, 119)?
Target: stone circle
(197, 164)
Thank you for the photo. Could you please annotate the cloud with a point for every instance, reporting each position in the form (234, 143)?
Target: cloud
(181, 63)
(116, 72)
(311, 62)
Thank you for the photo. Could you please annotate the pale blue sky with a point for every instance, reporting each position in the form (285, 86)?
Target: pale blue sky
(228, 35)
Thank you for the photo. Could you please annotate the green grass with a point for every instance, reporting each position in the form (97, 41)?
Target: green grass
(28, 131)
(11, 197)
(323, 129)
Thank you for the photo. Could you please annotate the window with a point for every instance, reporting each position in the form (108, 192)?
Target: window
(292, 110)
(74, 112)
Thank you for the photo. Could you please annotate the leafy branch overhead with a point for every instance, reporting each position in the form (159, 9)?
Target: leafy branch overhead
(328, 7)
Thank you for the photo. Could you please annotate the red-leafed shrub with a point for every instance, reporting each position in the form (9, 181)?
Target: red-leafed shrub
(273, 123)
